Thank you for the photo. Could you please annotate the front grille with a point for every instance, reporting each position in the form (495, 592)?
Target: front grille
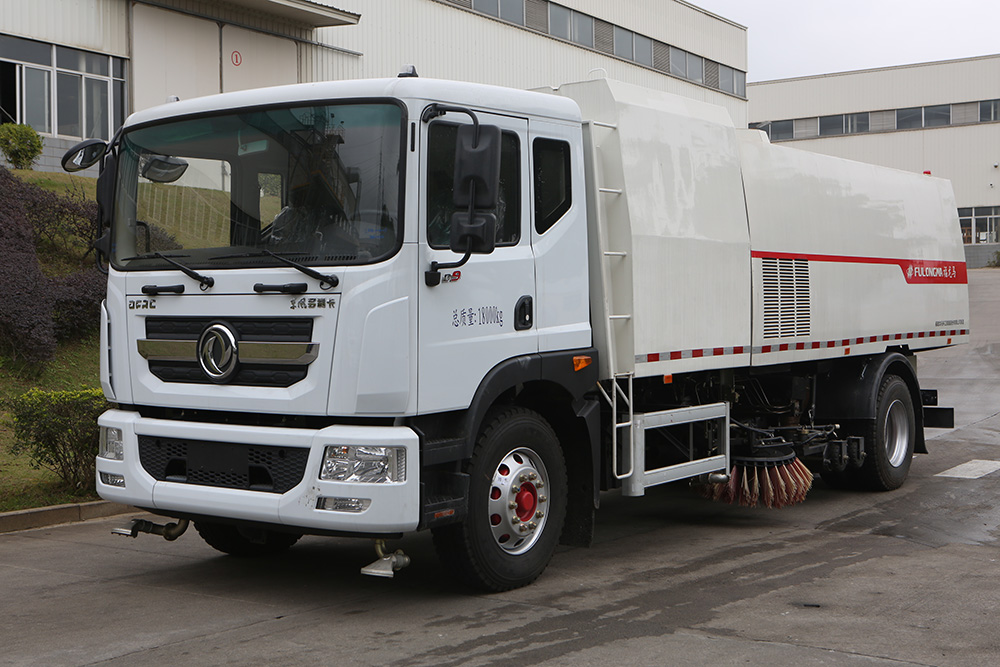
(266, 468)
(288, 329)
(247, 329)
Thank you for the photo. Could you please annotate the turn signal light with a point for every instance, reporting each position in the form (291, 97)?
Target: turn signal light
(581, 361)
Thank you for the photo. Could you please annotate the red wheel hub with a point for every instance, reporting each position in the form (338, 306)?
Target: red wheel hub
(527, 501)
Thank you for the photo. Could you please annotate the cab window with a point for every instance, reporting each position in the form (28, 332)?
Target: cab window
(440, 192)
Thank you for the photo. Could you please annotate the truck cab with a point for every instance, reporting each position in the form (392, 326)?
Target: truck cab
(284, 351)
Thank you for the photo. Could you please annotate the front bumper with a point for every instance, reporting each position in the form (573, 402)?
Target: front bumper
(395, 507)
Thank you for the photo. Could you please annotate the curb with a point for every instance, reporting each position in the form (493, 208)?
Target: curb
(56, 514)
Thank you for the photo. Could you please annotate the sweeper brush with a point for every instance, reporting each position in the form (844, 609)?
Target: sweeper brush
(773, 483)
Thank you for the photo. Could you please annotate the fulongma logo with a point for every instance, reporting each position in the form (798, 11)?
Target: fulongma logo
(218, 352)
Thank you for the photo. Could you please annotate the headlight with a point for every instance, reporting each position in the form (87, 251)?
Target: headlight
(112, 446)
(368, 465)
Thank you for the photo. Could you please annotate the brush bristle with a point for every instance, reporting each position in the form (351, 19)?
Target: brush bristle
(773, 486)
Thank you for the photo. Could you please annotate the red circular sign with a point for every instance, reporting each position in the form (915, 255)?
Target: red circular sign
(237, 58)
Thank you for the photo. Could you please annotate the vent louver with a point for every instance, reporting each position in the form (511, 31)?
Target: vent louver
(787, 309)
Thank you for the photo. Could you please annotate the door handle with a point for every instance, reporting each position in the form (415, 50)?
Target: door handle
(523, 315)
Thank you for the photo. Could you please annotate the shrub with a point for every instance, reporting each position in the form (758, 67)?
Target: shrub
(26, 329)
(67, 223)
(20, 144)
(76, 303)
(58, 430)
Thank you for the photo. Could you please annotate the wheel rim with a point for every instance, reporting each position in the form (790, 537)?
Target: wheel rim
(517, 501)
(897, 433)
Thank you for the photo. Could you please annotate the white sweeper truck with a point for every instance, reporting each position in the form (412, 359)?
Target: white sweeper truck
(364, 308)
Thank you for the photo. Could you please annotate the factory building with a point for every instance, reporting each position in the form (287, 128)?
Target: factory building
(74, 69)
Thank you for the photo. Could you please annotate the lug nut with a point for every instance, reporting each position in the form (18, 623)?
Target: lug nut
(512, 505)
(539, 514)
(523, 528)
(522, 478)
(532, 476)
(542, 499)
(515, 489)
(540, 484)
(515, 519)
(532, 525)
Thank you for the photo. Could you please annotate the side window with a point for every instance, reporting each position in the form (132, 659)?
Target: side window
(553, 191)
(441, 176)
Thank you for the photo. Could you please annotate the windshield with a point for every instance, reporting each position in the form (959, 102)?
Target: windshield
(318, 184)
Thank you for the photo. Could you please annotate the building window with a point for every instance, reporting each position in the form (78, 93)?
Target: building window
(60, 90)
(695, 68)
(643, 50)
(909, 119)
(831, 125)
(678, 62)
(989, 111)
(623, 43)
(560, 21)
(856, 123)
(938, 115)
(727, 81)
(583, 29)
(512, 10)
(782, 130)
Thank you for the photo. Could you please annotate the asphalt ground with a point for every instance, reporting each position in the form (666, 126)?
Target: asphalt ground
(846, 578)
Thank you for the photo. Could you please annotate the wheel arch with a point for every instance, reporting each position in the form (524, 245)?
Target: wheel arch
(848, 392)
(549, 384)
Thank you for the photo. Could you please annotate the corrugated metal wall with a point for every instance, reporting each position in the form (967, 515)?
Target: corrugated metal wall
(95, 25)
(443, 41)
(872, 90)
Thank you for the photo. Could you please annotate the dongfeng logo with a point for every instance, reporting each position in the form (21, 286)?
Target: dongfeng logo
(218, 352)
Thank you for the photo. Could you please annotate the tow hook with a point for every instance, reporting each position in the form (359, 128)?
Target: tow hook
(387, 563)
(170, 532)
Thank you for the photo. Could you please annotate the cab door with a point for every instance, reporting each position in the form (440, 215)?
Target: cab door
(482, 313)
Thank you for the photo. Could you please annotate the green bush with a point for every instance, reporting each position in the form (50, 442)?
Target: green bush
(58, 430)
(20, 144)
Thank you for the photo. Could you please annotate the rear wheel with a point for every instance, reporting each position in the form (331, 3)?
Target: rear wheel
(890, 442)
(245, 541)
(517, 504)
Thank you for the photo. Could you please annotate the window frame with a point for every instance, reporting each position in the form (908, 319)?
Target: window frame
(518, 181)
(543, 223)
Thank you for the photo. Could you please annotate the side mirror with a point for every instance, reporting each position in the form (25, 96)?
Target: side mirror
(477, 166)
(163, 168)
(476, 188)
(474, 233)
(84, 155)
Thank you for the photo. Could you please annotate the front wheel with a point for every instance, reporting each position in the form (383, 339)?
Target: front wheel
(890, 442)
(517, 504)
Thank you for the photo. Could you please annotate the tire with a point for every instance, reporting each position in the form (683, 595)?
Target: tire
(892, 438)
(517, 505)
(245, 541)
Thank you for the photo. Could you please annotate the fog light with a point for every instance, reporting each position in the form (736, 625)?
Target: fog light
(111, 445)
(343, 504)
(111, 479)
(364, 464)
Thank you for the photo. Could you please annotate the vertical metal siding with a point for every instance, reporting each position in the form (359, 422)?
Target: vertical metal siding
(94, 25)
(449, 43)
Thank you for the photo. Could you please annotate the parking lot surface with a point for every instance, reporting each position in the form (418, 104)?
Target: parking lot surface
(907, 577)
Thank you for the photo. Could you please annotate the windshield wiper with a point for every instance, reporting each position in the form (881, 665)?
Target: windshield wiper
(204, 281)
(330, 280)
